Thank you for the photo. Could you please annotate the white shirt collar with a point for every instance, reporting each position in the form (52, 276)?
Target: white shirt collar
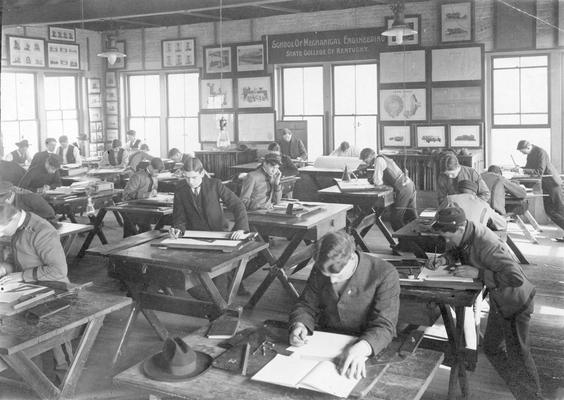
(22, 219)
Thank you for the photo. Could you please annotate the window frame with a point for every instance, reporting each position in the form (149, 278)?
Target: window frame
(168, 117)
(548, 94)
(77, 83)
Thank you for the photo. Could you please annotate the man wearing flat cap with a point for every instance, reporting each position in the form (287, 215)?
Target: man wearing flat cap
(21, 155)
(538, 164)
(485, 256)
(261, 187)
(27, 201)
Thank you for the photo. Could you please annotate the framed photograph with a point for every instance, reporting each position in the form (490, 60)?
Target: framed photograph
(93, 85)
(111, 94)
(456, 64)
(95, 114)
(457, 22)
(430, 136)
(112, 122)
(62, 34)
(465, 136)
(95, 127)
(412, 21)
(94, 100)
(217, 60)
(65, 56)
(120, 62)
(216, 93)
(395, 136)
(178, 53)
(256, 127)
(112, 134)
(456, 103)
(254, 92)
(402, 66)
(26, 52)
(403, 105)
(250, 57)
(111, 79)
(209, 126)
(111, 107)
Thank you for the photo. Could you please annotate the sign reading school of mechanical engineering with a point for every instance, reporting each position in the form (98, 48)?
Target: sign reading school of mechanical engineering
(354, 44)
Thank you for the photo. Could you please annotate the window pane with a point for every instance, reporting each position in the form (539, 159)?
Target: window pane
(534, 61)
(25, 87)
(313, 91)
(51, 93)
(68, 92)
(51, 115)
(137, 95)
(10, 135)
(28, 130)
(69, 114)
(293, 91)
(152, 135)
(183, 134)
(176, 133)
(152, 96)
(9, 110)
(506, 119)
(366, 132)
(534, 90)
(176, 97)
(534, 119)
(70, 128)
(192, 90)
(344, 92)
(506, 91)
(54, 128)
(344, 129)
(366, 89)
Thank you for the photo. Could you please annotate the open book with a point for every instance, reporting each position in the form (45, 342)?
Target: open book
(311, 366)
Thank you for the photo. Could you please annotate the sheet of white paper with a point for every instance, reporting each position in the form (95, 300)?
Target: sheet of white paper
(325, 377)
(323, 346)
(285, 371)
(196, 242)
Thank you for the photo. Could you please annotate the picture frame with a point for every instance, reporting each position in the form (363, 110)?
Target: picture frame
(250, 57)
(209, 126)
(62, 34)
(112, 134)
(254, 92)
(412, 21)
(94, 100)
(95, 127)
(95, 114)
(26, 52)
(457, 22)
(403, 104)
(465, 135)
(402, 66)
(178, 53)
(63, 56)
(456, 103)
(121, 61)
(112, 107)
(93, 85)
(112, 122)
(395, 136)
(430, 136)
(256, 127)
(111, 79)
(457, 64)
(111, 94)
(216, 93)
(217, 60)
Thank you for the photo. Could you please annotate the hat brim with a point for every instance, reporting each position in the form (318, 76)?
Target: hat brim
(154, 371)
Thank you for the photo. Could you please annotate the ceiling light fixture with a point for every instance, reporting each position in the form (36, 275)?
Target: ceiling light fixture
(111, 52)
(399, 28)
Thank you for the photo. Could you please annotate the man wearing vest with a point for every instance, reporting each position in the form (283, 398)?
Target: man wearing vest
(68, 153)
(21, 155)
(292, 146)
(117, 156)
(452, 172)
(386, 172)
(131, 142)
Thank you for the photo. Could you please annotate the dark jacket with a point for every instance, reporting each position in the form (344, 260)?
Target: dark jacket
(499, 185)
(538, 163)
(368, 306)
(140, 185)
(40, 157)
(258, 189)
(11, 172)
(37, 251)
(502, 275)
(448, 185)
(36, 177)
(207, 213)
(294, 148)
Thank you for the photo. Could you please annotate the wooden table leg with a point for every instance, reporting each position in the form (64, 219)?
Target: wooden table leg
(383, 228)
(525, 230)
(31, 374)
(234, 286)
(97, 223)
(532, 220)
(356, 230)
(461, 354)
(455, 333)
(128, 325)
(212, 290)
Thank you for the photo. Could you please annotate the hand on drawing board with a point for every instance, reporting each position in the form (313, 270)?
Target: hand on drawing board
(353, 360)
(174, 233)
(237, 235)
(435, 262)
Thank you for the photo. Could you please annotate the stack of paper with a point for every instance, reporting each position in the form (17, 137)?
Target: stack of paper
(18, 296)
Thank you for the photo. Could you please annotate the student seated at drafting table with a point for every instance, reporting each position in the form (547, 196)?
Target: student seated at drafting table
(197, 207)
(28, 201)
(261, 187)
(348, 292)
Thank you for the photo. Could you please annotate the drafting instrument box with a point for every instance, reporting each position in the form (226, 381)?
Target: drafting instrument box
(19, 296)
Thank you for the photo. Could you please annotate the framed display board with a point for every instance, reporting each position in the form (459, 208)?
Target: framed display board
(217, 60)
(402, 66)
(456, 103)
(111, 79)
(216, 93)
(62, 34)
(26, 52)
(254, 92)
(430, 136)
(209, 126)
(63, 56)
(111, 94)
(94, 100)
(469, 136)
(403, 105)
(93, 85)
(395, 136)
(178, 53)
(250, 57)
(456, 64)
(457, 22)
(256, 127)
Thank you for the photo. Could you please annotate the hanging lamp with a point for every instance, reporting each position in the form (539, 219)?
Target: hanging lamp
(223, 142)
(111, 51)
(399, 28)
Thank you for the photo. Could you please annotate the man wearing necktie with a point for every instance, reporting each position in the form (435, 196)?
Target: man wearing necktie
(261, 187)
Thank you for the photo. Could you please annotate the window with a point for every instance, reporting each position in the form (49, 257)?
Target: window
(303, 100)
(145, 110)
(19, 117)
(520, 91)
(355, 93)
(60, 106)
(183, 108)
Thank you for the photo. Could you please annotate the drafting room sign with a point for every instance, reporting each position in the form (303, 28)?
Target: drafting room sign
(354, 44)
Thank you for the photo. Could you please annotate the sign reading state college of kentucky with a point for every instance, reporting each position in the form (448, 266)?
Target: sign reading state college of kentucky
(354, 44)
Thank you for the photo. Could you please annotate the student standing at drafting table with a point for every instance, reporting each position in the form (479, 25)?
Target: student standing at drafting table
(453, 173)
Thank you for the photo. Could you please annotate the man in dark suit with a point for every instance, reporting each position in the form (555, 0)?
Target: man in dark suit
(538, 164)
(39, 178)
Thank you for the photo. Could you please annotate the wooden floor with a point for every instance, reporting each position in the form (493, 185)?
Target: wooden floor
(547, 326)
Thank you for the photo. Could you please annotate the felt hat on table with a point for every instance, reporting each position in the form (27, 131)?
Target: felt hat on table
(176, 362)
